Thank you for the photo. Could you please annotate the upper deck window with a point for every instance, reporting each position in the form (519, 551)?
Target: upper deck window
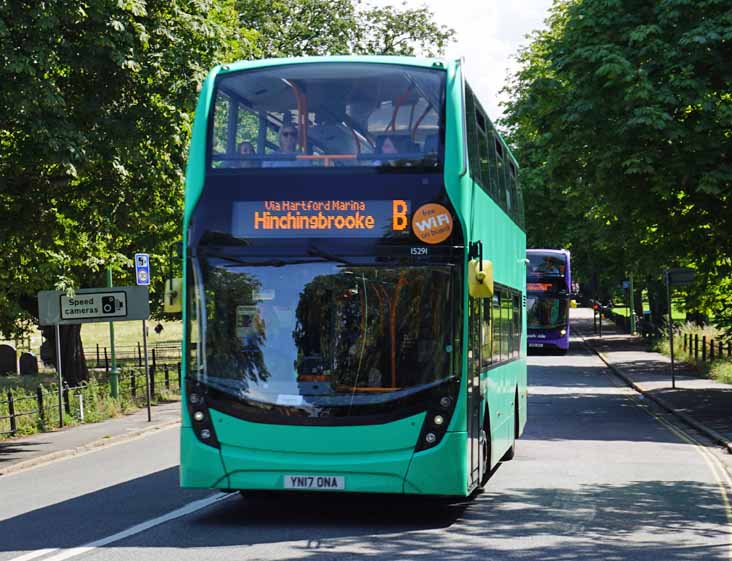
(546, 265)
(328, 114)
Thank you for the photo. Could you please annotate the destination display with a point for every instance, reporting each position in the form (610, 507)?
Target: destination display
(320, 219)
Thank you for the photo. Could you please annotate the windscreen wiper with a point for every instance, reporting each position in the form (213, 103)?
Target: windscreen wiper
(317, 252)
(277, 262)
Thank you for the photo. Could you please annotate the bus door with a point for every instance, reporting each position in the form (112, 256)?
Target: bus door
(474, 400)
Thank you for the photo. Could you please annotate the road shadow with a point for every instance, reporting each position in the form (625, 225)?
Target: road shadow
(9, 449)
(640, 520)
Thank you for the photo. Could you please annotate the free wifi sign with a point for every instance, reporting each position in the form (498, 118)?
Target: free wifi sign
(432, 223)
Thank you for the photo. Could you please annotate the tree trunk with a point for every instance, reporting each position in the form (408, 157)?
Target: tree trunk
(657, 301)
(638, 301)
(73, 362)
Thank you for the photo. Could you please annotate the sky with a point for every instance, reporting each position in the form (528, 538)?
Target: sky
(489, 34)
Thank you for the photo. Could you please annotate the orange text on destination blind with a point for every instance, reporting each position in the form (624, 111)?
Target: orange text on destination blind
(324, 215)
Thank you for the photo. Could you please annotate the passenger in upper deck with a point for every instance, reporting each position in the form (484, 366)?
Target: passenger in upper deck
(548, 267)
(288, 145)
(246, 149)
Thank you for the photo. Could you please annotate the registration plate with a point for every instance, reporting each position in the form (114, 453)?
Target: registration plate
(317, 482)
(537, 345)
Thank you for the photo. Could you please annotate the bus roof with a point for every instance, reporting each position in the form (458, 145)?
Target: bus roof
(547, 251)
(437, 63)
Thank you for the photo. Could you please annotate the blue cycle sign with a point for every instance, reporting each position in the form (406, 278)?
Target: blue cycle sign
(142, 269)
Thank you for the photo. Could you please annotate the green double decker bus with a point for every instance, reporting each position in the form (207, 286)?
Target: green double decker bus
(354, 281)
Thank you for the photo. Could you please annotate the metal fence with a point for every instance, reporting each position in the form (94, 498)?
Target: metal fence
(40, 408)
(700, 348)
(133, 355)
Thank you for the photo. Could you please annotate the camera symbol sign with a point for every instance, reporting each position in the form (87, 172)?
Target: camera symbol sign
(89, 306)
(142, 269)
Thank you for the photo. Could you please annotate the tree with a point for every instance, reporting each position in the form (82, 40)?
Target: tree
(96, 105)
(623, 111)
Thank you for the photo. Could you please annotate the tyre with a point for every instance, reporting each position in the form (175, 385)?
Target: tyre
(486, 462)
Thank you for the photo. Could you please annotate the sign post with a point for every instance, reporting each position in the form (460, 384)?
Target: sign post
(60, 378)
(631, 297)
(113, 378)
(670, 329)
(675, 277)
(142, 278)
(147, 371)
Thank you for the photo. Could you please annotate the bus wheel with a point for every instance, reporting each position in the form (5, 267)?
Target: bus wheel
(485, 467)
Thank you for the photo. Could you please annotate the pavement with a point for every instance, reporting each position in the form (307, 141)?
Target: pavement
(19, 454)
(704, 404)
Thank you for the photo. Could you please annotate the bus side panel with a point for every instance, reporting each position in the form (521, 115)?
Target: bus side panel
(441, 470)
(200, 465)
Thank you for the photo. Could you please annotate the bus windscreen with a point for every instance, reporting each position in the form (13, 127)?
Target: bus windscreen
(317, 335)
(328, 115)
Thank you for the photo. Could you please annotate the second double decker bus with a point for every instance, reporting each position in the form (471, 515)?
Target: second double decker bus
(548, 286)
(353, 281)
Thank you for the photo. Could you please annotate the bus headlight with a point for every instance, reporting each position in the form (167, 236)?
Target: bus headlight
(439, 408)
(197, 408)
(563, 332)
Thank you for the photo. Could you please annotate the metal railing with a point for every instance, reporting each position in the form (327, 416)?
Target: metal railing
(41, 408)
(700, 348)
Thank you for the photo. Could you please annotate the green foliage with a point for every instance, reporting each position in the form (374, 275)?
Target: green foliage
(621, 112)
(95, 125)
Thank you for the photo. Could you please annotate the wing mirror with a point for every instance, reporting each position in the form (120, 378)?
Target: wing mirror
(480, 272)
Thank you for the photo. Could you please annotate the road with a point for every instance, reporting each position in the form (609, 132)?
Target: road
(598, 476)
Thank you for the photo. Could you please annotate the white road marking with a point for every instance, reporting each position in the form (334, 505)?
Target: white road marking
(34, 554)
(136, 529)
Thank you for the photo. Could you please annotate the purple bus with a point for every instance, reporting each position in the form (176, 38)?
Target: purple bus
(548, 284)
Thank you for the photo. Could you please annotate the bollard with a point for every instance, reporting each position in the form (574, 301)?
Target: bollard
(685, 337)
(67, 399)
(41, 411)
(11, 412)
(180, 385)
(696, 346)
(106, 361)
(711, 350)
(98, 362)
(81, 406)
(139, 355)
